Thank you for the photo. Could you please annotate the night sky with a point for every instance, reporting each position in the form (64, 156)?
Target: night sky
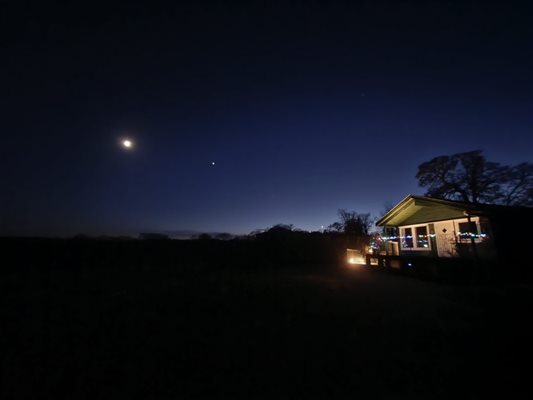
(303, 107)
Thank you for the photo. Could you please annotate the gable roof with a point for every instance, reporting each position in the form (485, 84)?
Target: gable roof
(420, 209)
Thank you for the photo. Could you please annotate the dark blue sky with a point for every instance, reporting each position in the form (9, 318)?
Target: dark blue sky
(305, 108)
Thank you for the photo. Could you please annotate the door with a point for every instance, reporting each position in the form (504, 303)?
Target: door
(446, 245)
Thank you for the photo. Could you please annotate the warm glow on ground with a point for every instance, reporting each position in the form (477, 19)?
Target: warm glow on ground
(356, 261)
(354, 257)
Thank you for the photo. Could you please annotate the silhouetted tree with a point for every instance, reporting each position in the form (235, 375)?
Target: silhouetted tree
(224, 236)
(470, 178)
(352, 223)
(153, 236)
(518, 185)
(354, 226)
(279, 231)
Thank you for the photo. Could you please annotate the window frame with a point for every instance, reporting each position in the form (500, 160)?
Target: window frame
(414, 237)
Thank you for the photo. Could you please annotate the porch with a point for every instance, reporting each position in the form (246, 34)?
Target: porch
(456, 270)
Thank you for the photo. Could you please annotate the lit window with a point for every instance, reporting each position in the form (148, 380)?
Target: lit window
(422, 237)
(416, 238)
(468, 230)
(407, 238)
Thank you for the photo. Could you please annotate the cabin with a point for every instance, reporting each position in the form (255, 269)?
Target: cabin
(427, 227)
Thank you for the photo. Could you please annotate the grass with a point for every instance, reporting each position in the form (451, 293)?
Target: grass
(164, 334)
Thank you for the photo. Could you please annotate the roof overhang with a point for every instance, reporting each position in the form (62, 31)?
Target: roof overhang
(418, 209)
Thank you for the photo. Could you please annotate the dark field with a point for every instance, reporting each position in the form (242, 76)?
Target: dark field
(173, 331)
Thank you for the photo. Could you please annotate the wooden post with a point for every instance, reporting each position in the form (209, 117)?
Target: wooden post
(472, 240)
(474, 249)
